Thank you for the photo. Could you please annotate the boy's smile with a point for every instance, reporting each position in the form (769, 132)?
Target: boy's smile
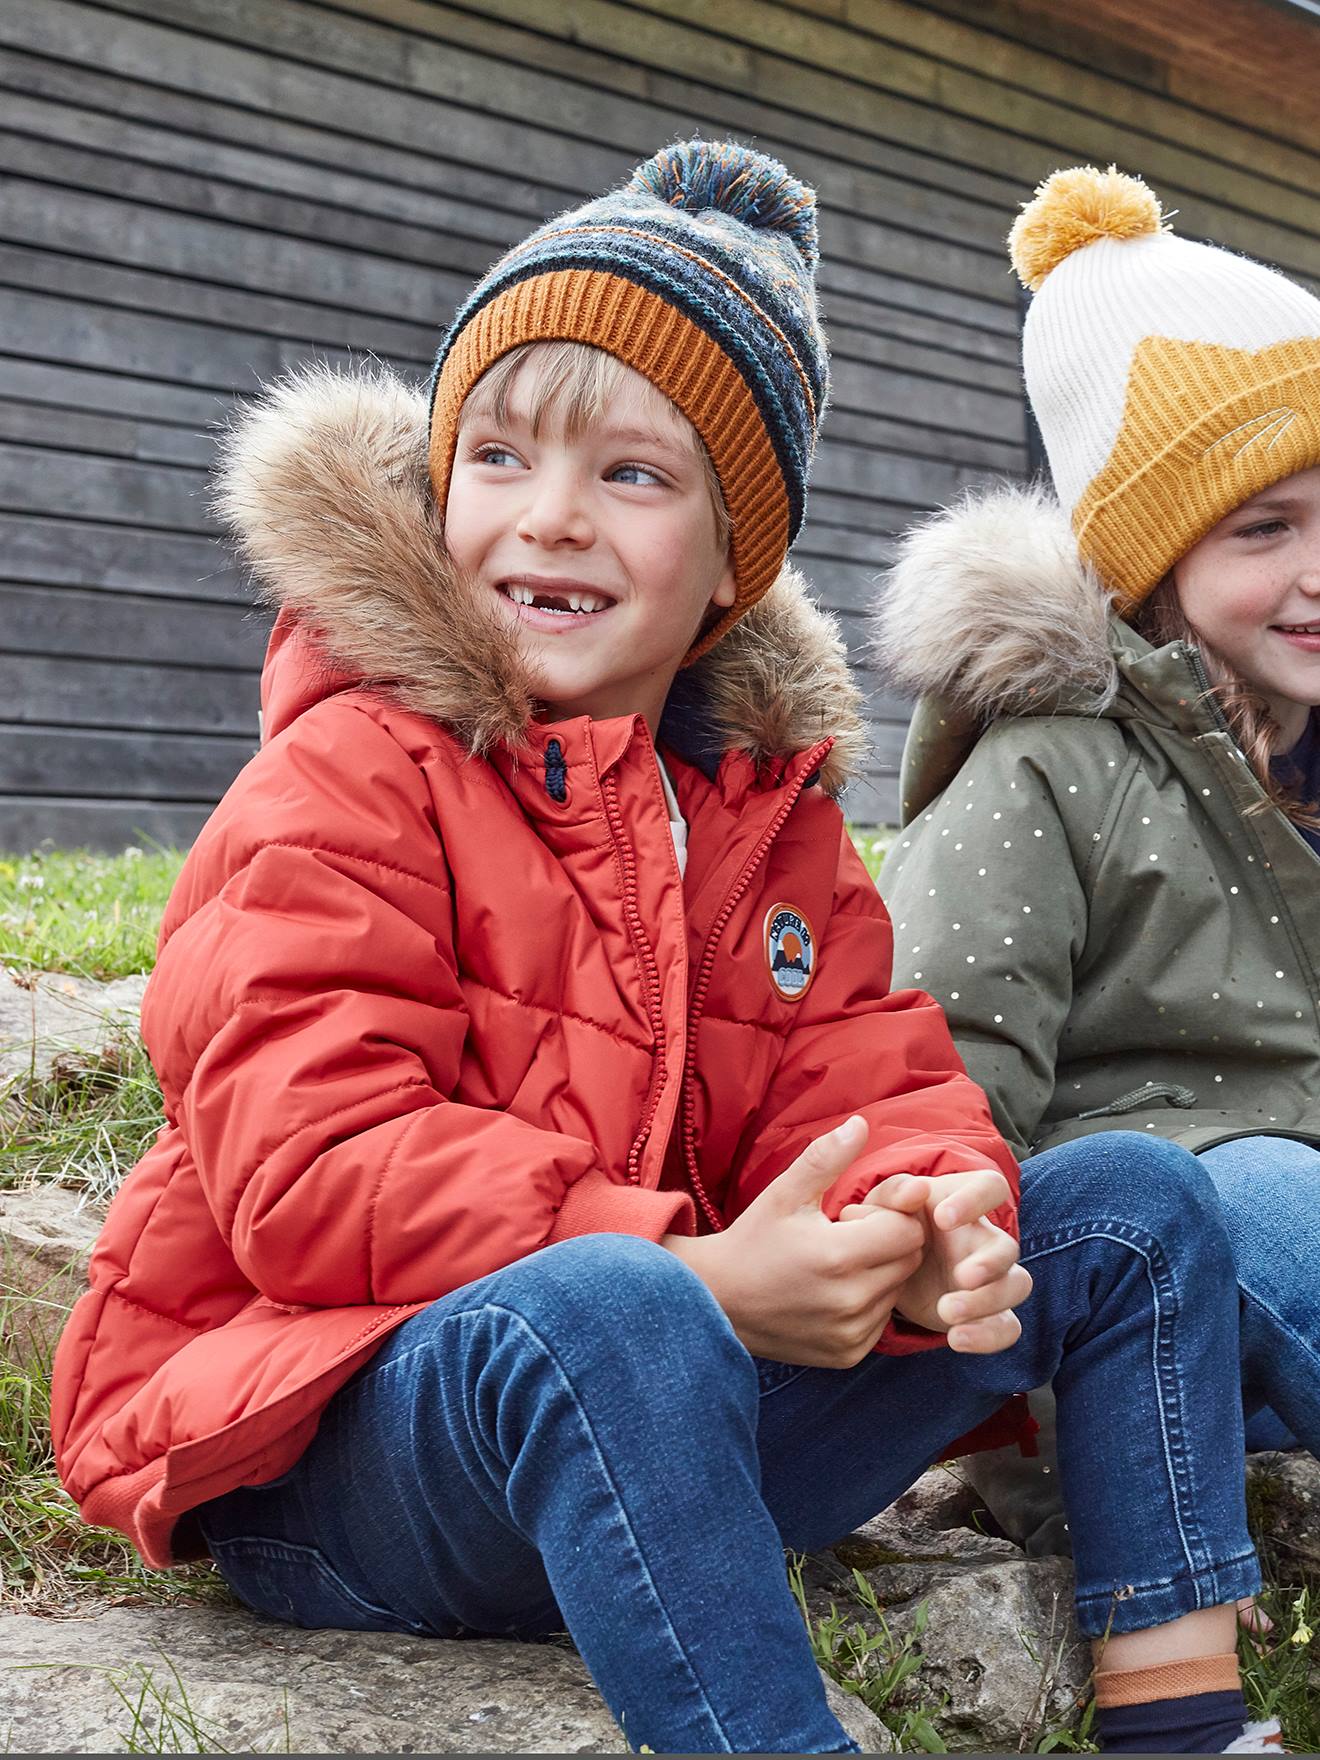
(595, 533)
(551, 602)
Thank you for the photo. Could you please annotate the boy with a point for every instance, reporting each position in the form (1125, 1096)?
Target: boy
(524, 998)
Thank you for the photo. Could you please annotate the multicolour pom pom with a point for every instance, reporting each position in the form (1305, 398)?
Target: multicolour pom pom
(734, 180)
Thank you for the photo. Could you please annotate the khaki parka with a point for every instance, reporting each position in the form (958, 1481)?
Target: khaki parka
(1123, 931)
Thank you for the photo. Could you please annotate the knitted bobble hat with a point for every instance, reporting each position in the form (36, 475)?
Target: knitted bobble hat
(699, 273)
(1172, 381)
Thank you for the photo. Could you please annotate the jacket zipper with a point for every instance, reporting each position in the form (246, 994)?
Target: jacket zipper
(647, 968)
(1202, 677)
(702, 984)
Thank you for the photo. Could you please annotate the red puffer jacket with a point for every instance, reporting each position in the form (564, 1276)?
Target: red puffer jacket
(420, 1011)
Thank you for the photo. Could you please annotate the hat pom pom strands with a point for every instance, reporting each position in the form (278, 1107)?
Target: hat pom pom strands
(1075, 208)
(760, 192)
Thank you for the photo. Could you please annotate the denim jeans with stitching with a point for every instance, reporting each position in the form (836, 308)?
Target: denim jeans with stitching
(580, 1441)
(1269, 1189)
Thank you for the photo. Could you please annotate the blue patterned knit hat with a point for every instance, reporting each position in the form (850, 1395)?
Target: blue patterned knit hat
(699, 273)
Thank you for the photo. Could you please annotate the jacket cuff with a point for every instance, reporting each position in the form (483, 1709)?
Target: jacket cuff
(932, 1159)
(594, 1205)
(903, 1338)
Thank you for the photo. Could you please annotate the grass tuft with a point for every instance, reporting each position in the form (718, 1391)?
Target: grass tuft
(1281, 1671)
(868, 1660)
(83, 1124)
(95, 916)
(48, 1557)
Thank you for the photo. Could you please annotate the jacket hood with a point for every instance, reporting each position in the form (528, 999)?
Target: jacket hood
(989, 612)
(990, 607)
(325, 483)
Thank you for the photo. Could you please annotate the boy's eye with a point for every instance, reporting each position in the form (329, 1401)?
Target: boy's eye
(497, 455)
(634, 473)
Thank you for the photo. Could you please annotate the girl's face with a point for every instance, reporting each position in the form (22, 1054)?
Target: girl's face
(1251, 588)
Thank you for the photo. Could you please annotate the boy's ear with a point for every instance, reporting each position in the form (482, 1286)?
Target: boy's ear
(726, 590)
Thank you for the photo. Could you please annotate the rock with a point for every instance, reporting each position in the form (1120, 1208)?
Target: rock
(1001, 1646)
(213, 1679)
(1283, 1499)
(928, 1532)
(862, 1725)
(1001, 1656)
(47, 1014)
(943, 1500)
(46, 1240)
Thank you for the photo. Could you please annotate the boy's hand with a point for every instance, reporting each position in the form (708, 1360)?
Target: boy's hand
(799, 1288)
(969, 1280)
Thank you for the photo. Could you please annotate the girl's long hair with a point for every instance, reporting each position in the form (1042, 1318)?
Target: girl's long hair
(1161, 619)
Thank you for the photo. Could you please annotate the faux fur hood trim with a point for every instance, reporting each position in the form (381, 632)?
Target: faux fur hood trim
(324, 481)
(990, 607)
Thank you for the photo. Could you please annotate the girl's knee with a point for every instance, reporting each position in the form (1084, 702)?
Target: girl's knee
(1275, 1172)
(1148, 1183)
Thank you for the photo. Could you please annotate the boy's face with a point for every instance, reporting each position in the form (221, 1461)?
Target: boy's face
(616, 520)
(1251, 587)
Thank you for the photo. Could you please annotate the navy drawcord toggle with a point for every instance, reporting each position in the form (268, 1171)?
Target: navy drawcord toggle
(556, 772)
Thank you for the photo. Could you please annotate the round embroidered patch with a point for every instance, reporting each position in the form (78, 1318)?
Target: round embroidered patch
(790, 951)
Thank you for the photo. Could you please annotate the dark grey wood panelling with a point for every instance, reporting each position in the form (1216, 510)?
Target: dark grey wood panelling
(201, 196)
(72, 821)
(119, 626)
(128, 697)
(64, 760)
(67, 552)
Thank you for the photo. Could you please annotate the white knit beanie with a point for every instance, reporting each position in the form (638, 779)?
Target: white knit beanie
(1172, 381)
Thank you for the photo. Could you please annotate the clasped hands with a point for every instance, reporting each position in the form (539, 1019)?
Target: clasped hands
(799, 1288)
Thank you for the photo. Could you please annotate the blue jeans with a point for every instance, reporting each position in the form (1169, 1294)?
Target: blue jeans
(1269, 1188)
(581, 1441)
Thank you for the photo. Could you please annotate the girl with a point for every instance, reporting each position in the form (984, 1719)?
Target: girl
(1108, 872)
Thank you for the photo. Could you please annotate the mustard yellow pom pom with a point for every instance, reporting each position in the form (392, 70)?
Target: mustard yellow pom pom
(1074, 208)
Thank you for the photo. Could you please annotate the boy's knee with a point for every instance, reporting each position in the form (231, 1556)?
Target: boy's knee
(623, 1282)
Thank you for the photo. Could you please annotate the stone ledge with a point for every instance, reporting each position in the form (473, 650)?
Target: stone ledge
(247, 1685)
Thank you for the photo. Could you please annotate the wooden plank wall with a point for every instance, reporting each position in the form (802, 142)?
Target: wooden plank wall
(202, 193)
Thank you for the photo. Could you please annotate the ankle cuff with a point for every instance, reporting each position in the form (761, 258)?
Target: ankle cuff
(1166, 1680)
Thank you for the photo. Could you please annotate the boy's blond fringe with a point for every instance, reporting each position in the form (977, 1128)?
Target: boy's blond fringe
(1161, 619)
(577, 384)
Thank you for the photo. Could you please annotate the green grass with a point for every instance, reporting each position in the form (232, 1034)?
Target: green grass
(1281, 1677)
(48, 1557)
(872, 843)
(85, 1123)
(856, 1648)
(1281, 1673)
(92, 915)
(82, 1125)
